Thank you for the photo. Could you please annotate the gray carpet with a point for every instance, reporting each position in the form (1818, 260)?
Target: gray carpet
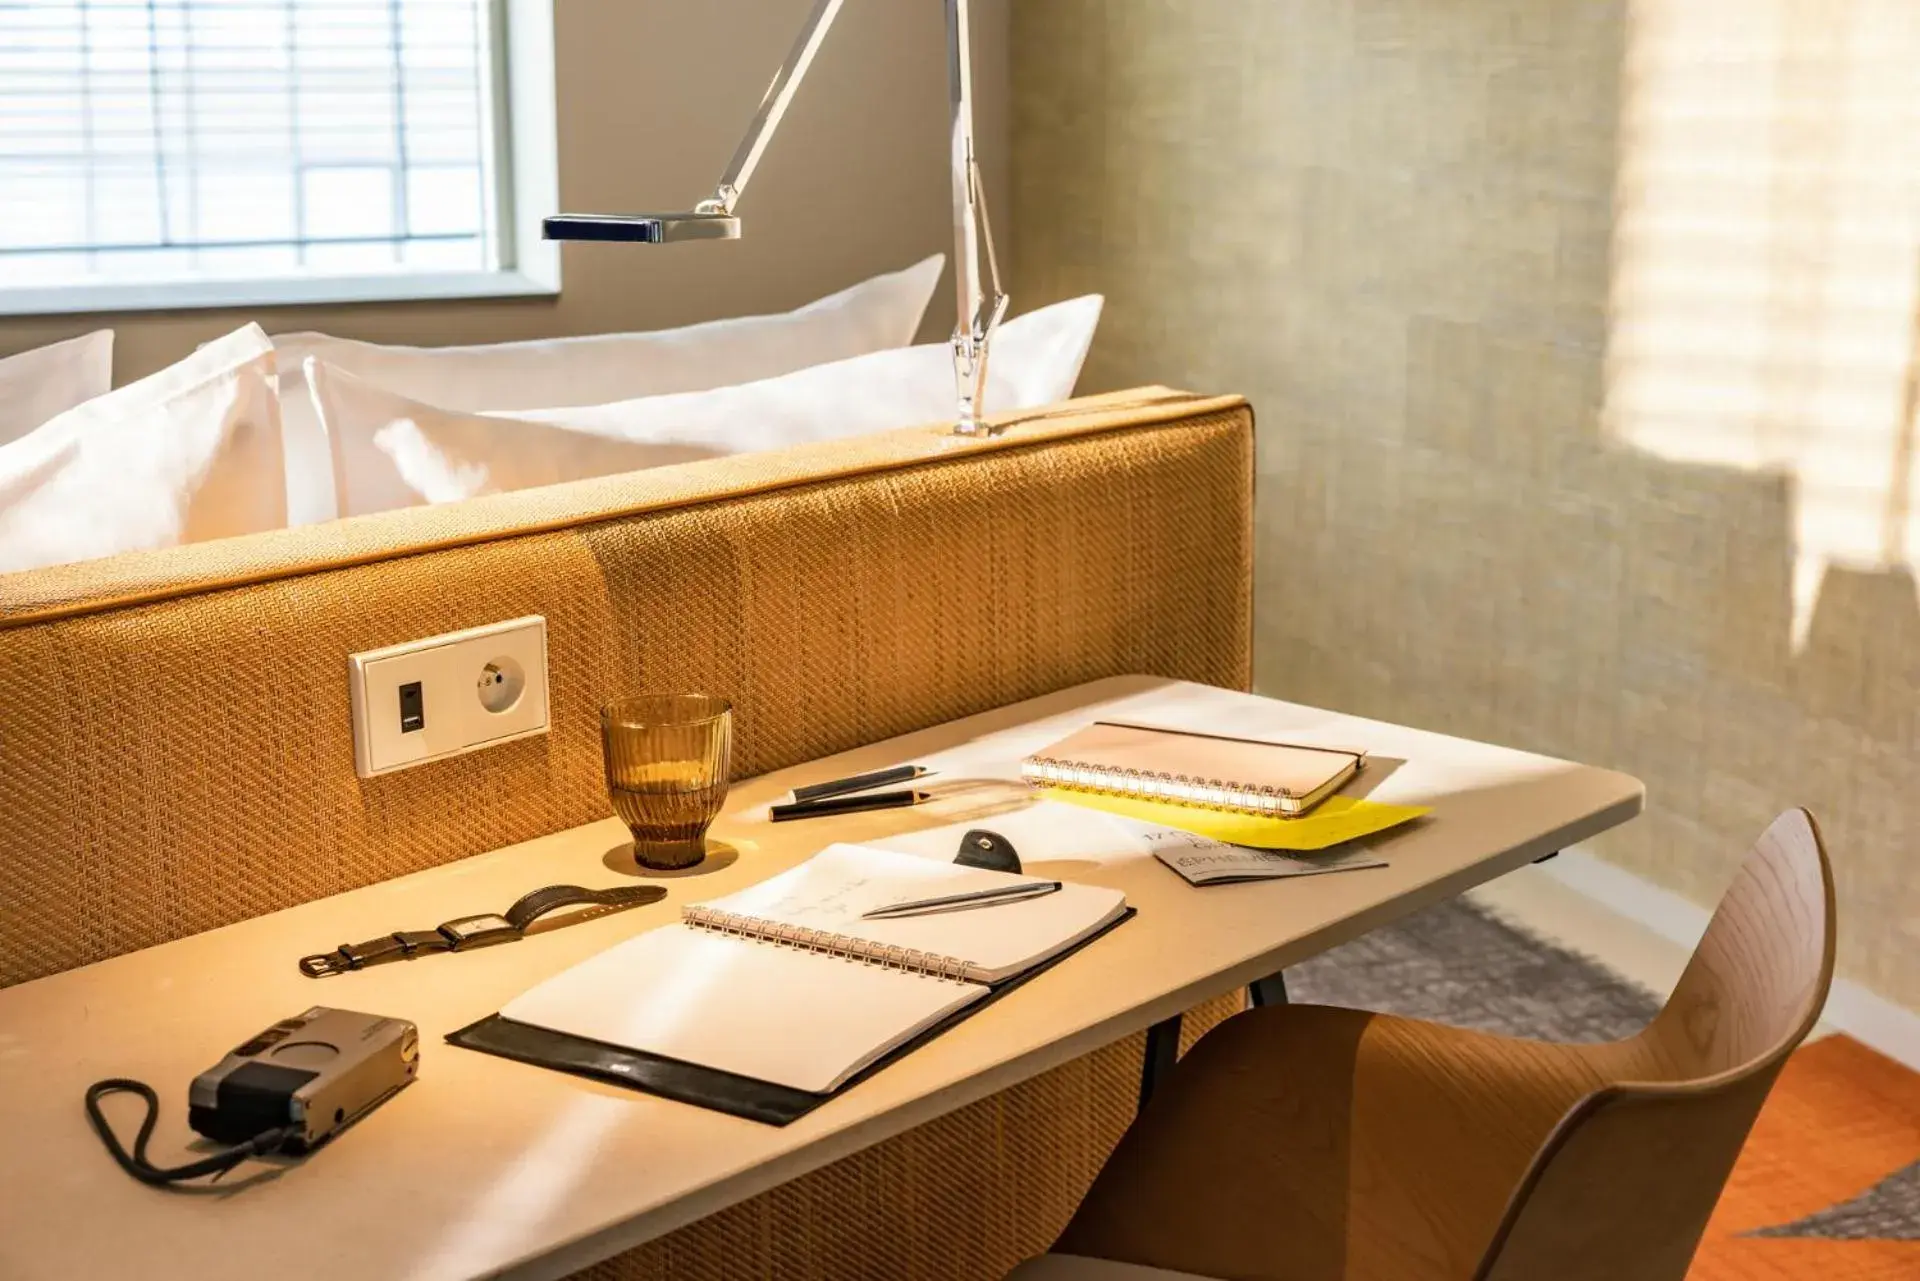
(1890, 1209)
(1458, 964)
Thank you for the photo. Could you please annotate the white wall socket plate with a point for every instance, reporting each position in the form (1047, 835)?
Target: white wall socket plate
(430, 699)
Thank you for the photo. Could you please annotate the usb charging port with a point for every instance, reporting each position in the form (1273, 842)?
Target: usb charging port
(413, 708)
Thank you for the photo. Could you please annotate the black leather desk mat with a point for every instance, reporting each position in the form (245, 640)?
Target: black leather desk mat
(707, 1087)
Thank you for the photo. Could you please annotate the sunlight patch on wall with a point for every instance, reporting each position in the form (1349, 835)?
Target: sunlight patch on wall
(1766, 282)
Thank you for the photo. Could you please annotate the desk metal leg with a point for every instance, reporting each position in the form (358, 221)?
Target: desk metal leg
(1163, 1050)
(1163, 1038)
(1271, 990)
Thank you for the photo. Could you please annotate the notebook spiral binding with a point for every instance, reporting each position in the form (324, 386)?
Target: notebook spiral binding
(1180, 789)
(885, 955)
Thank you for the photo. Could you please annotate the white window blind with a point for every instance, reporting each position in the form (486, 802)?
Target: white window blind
(155, 141)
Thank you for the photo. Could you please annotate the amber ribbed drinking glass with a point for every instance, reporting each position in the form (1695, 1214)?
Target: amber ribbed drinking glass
(667, 757)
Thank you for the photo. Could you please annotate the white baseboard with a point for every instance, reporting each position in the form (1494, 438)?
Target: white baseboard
(1860, 1012)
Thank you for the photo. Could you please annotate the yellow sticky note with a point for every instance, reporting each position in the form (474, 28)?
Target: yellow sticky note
(1336, 819)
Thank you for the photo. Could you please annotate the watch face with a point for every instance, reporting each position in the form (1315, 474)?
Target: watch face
(476, 925)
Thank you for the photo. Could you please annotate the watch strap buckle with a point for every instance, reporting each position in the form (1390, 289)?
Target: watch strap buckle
(322, 964)
(355, 956)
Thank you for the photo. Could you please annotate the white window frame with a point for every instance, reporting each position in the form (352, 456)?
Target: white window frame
(526, 124)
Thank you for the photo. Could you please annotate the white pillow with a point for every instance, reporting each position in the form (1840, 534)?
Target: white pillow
(190, 453)
(874, 315)
(39, 384)
(395, 452)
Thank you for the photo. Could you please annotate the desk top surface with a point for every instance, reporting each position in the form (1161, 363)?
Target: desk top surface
(487, 1165)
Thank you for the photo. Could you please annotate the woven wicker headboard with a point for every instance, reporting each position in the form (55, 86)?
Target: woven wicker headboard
(175, 748)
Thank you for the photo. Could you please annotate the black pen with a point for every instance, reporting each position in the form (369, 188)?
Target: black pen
(848, 805)
(859, 782)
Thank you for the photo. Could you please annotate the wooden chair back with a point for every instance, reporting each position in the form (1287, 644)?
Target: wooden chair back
(1625, 1183)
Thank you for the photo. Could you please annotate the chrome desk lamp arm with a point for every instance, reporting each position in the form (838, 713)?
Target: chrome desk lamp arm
(773, 107)
(978, 313)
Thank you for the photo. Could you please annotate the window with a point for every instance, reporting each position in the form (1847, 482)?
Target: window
(205, 152)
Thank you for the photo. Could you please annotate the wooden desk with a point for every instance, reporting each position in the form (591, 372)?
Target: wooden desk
(488, 1167)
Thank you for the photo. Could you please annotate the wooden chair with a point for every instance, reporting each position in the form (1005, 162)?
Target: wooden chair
(1304, 1143)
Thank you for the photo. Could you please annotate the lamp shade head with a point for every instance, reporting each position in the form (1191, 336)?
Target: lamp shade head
(643, 229)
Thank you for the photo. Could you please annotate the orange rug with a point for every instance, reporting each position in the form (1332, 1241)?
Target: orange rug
(1841, 1122)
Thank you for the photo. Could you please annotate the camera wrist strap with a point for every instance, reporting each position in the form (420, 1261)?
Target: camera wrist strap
(136, 1162)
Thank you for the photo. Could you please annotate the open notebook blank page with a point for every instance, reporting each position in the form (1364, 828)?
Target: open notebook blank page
(779, 1014)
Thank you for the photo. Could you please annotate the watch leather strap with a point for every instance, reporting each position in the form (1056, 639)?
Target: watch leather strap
(465, 933)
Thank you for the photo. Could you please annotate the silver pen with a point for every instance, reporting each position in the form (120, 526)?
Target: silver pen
(963, 902)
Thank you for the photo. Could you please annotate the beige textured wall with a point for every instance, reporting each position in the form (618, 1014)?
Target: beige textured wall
(1391, 223)
(855, 183)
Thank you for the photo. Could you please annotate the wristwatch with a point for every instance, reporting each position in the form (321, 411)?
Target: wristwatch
(468, 932)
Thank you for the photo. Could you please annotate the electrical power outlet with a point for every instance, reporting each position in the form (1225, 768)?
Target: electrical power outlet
(430, 699)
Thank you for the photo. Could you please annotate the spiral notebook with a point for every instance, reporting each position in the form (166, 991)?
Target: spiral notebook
(783, 983)
(1247, 776)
